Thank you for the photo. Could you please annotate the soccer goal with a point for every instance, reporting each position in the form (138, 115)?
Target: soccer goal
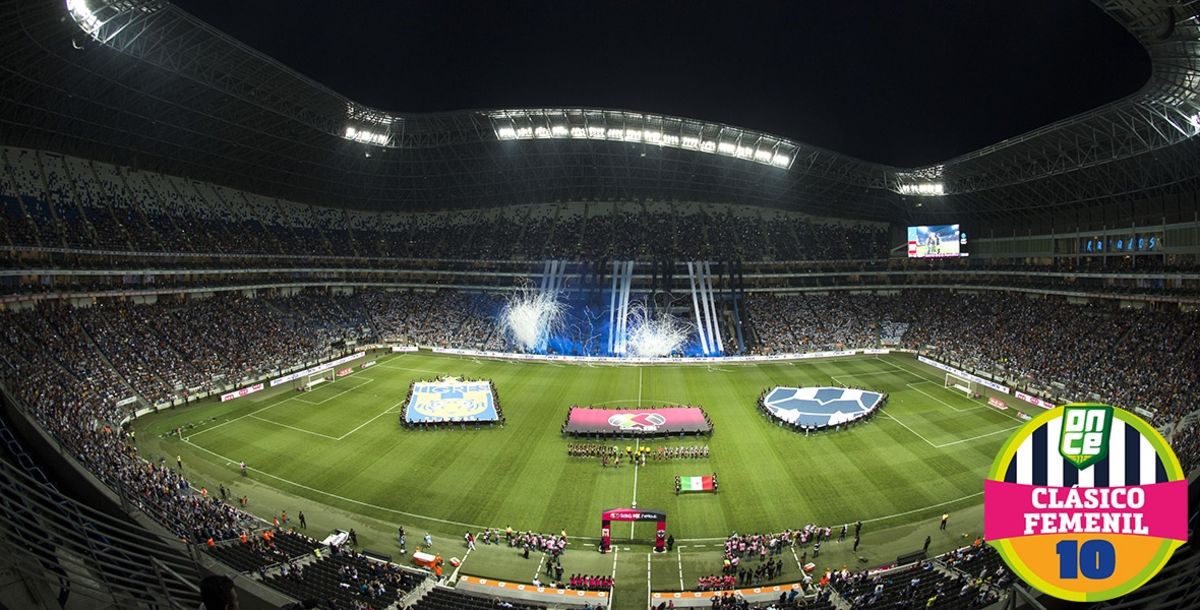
(309, 382)
(962, 384)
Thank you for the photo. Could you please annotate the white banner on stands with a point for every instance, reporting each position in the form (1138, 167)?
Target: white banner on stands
(404, 348)
(1034, 400)
(126, 401)
(317, 369)
(242, 392)
(987, 383)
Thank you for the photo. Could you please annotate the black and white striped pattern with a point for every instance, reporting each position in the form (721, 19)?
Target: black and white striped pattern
(1131, 460)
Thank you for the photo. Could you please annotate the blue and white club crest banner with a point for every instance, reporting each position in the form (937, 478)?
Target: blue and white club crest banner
(451, 400)
(820, 406)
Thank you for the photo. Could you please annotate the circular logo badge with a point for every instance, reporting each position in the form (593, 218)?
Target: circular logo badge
(1086, 502)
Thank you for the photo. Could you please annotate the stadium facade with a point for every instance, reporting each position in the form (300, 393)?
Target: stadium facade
(151, 162)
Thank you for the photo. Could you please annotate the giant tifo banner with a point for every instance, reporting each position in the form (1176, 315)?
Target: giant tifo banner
(242, 392)
(987, 383)
(317, 369)
(667, 420)
(451, 400)
(820, 407)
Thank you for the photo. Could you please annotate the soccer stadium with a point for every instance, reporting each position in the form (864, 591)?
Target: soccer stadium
(266, 345)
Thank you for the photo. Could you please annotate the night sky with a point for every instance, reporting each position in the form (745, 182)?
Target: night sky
(901, 82)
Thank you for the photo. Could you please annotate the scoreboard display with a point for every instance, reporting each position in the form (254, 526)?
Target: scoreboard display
(936, 241)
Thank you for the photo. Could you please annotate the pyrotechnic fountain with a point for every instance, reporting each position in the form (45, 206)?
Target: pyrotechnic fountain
(530, 318)
(655, 336)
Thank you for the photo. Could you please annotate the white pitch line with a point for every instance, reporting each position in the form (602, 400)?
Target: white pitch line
(975, 438)
(360, 426)
(649, 588)
(639, 404)
(401, 368)
(454, 574)
(275, 423)
(251, 414)
(889, 416)
(613, 589)
(797, 558)
(934, 380)
(680, 556)
(919, 390)
(321, 402)
(541, 562)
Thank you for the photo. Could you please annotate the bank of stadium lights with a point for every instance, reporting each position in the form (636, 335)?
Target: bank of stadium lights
(366, 136)
(922, 189)
(759, 149)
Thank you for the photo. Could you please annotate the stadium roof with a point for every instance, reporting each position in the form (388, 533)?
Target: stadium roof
(143, 83)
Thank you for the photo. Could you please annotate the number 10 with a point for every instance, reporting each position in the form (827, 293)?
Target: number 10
(1095, 559)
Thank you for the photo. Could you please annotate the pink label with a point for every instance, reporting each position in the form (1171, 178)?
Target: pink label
(1012, 510)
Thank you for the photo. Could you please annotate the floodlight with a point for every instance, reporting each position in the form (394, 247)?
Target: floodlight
(923, 189)
(366, 136)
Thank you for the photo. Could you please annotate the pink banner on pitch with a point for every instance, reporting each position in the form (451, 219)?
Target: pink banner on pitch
(633, 421)
(1012, 510)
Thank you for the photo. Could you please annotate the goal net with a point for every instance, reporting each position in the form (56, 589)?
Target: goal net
(962, 384)
(309, 382)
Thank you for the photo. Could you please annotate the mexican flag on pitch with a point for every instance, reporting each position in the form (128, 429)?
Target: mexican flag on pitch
(695, 483)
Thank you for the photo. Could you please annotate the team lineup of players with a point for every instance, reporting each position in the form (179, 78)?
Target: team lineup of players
(611, 455)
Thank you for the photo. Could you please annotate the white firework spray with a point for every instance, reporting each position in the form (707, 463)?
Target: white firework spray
(655, 336)
(531, 317)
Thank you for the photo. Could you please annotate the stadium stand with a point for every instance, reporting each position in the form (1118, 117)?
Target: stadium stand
(1087, 351)
(258, 552)
(442, 598)
(91, 205)
(345, 579)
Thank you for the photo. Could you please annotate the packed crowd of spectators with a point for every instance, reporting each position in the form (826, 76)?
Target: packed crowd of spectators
(54, 201)
(1095, 351)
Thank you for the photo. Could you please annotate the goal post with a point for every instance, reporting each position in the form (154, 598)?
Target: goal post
(309, 382)
(962, 384)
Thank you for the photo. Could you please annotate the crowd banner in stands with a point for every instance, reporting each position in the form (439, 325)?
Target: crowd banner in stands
(317, 369)
(242, 392)
(1034, 400)
(404, 348)
(684, 360)
(987, 383)
(126, 401)
(669, 420)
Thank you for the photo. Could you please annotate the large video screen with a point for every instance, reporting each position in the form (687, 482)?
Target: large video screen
(936, 241)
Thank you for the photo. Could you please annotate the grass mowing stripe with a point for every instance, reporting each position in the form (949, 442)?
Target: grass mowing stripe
(771, 478)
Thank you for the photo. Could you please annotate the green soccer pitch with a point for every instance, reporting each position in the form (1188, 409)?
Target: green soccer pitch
(339, 454)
